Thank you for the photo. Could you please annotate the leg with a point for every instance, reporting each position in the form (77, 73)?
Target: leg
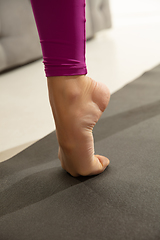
(77, 101)
(61, 28)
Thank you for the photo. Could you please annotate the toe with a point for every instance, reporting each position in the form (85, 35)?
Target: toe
(101, 163)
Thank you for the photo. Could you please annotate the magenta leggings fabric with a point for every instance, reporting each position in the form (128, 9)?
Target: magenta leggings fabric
(61, 25)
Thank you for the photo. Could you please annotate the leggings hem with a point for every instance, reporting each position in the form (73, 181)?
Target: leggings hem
(65, 72)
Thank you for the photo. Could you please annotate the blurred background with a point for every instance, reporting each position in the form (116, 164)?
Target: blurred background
(123, 41)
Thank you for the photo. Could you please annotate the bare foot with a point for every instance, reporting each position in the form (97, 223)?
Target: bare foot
(77, 103)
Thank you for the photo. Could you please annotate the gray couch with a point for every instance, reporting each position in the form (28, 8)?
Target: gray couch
(19, 41)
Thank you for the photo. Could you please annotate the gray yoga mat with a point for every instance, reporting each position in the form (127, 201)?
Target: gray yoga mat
(40, 201)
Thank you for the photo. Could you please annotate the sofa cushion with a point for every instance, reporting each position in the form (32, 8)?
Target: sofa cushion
(19, 42)
(100, 14)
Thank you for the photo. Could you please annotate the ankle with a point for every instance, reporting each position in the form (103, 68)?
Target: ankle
(68, 88)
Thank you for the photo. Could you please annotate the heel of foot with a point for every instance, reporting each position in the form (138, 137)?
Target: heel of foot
(101, 95)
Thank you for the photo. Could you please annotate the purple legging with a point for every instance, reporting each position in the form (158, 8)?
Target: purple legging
(61, 25)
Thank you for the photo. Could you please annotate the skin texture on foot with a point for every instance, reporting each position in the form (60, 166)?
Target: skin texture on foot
(77, 103)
